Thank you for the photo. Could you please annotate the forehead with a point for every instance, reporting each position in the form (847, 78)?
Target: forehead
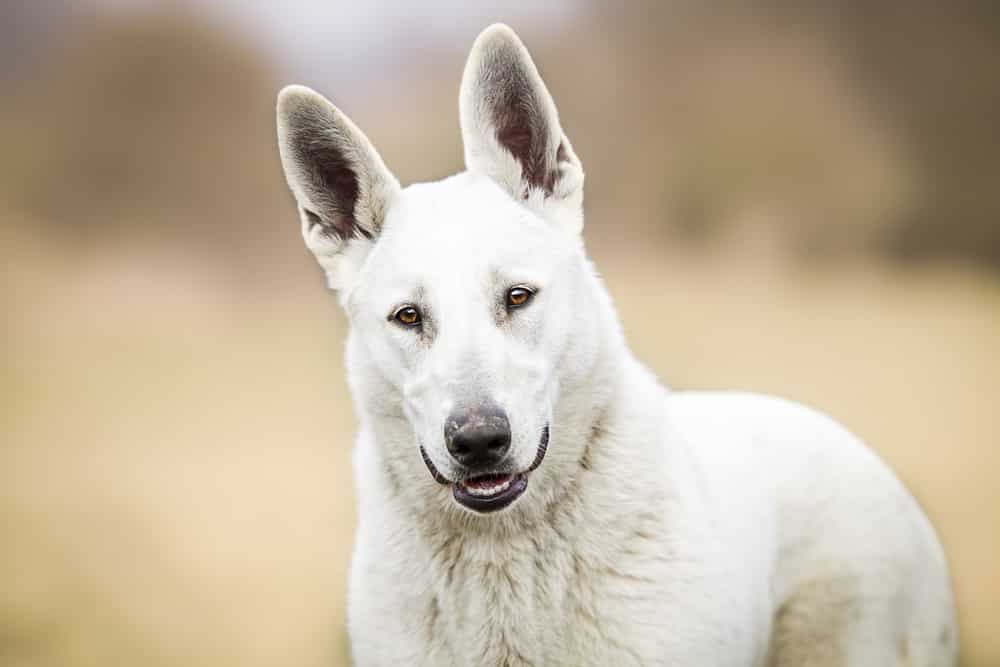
(457, 230)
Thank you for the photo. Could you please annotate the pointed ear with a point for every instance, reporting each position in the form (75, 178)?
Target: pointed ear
(340, 183)
(510, 126)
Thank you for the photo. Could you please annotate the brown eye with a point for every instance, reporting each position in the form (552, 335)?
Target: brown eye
(408, 316)
(518, 296)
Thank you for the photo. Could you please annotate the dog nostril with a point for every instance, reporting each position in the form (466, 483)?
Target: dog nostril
(479, 445)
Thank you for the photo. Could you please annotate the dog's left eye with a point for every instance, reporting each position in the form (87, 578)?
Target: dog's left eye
(408, 316)
(519, 296)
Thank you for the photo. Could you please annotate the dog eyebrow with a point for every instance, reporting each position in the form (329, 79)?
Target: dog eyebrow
(403, 293)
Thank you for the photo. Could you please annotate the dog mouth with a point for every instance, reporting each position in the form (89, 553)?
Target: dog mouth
(490, 492)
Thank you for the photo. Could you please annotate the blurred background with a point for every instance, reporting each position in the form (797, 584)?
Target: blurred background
(796, 198)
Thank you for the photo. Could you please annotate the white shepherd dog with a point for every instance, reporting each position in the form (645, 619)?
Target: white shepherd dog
(529, 494)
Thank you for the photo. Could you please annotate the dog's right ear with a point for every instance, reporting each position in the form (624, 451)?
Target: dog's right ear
(340, 183)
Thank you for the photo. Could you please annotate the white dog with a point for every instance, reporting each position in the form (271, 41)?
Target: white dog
(529, 493)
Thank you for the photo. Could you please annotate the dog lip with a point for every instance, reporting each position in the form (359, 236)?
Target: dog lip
(438, 477)
(543, 446)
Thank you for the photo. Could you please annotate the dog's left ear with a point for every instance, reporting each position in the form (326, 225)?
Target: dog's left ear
(511, 129)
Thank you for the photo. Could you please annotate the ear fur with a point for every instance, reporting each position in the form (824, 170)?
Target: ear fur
(342, 187)
(511, 128)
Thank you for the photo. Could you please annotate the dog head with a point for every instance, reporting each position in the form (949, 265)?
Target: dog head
(467, 298)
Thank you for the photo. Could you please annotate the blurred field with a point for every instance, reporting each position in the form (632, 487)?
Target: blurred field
(175, 490)
(794, 199)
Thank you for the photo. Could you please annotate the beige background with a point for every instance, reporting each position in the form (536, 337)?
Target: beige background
(801, 204)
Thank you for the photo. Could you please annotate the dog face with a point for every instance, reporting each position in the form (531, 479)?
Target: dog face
(464, 295)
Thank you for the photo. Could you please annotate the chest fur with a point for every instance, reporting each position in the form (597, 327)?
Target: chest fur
(542, 599)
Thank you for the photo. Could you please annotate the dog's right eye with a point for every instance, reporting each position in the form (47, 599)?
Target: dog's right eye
(408, 316)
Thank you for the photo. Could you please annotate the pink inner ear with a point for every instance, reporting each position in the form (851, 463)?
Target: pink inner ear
(527, 143)
(521, 125)
(329, 178)
(341, 190)
(516, 138)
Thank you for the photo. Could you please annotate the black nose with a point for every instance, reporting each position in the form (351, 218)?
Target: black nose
(478, 437)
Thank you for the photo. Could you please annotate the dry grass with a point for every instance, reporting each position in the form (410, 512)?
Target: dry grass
(174, 469)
